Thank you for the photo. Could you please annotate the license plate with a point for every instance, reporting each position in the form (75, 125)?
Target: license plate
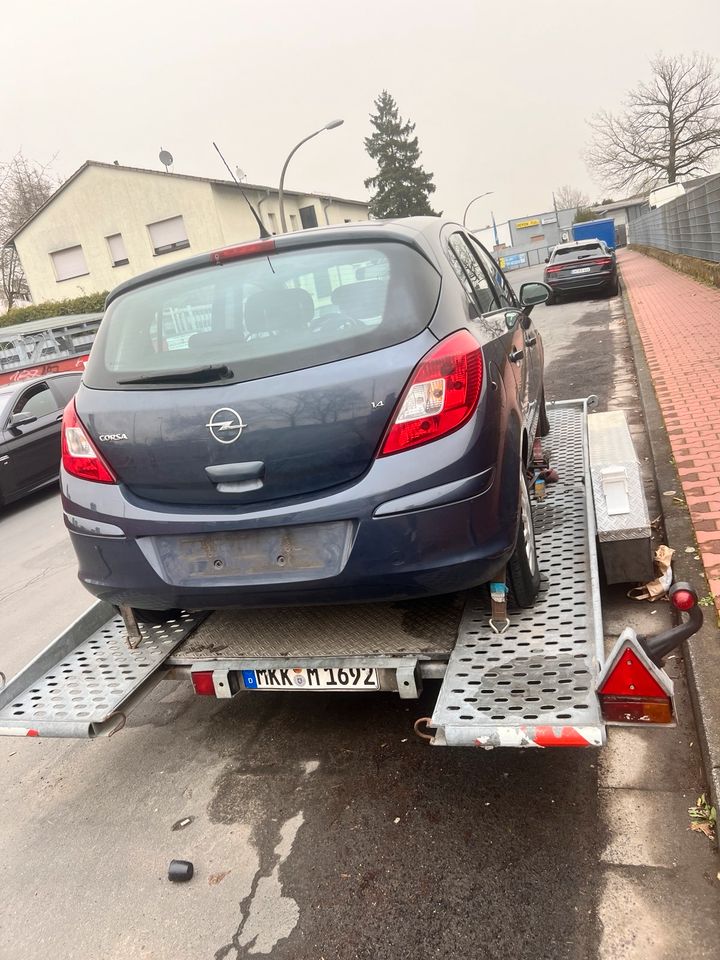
(312, 678)
(582, 270)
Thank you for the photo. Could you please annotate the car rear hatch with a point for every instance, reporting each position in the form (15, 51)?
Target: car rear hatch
(578, 264)
(259, 377)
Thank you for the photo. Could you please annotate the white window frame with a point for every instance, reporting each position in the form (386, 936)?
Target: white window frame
(272, 220)
(63, 260)
(172, 234)
(293, 222)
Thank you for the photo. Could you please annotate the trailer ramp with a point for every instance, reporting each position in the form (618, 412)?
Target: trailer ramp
(534, 685)
(80, 683)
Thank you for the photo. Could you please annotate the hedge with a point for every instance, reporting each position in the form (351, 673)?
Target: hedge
(90, 303)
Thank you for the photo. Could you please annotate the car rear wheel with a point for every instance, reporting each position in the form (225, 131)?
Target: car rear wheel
(615, 288)
(523, 571)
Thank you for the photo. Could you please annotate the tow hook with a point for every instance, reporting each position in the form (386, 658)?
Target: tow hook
(685, 600)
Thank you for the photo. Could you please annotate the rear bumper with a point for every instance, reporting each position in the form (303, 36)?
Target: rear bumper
(441, 549)
(577, 284)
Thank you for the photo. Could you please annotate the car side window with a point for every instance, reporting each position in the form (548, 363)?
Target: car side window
(471, 273)
(505, 292)
(38, 401)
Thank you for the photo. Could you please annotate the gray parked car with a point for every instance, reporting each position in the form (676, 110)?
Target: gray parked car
(335, 415)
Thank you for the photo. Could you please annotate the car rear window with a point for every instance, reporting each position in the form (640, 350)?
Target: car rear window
(577, 253)
(266, 315)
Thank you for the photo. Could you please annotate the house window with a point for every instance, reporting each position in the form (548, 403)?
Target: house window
(308, 217)
(293, 222)
(69, 263)
(118, 253)
(273, 223)
(168, 235)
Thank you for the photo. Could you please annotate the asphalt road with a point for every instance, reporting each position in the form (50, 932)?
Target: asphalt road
(319, 826)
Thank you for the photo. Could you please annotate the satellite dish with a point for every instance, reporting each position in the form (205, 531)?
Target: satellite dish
(240, 174)
(166, 159)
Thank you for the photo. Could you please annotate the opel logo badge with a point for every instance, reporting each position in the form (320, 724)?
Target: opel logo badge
(225, 425)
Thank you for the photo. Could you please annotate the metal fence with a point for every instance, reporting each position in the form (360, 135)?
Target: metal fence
(690, 224)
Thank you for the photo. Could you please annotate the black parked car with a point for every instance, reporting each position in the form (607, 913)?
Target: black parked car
(30, 420)
(329, 416)
(587, 266)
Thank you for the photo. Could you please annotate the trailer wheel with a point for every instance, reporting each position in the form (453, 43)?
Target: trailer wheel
(523, 572)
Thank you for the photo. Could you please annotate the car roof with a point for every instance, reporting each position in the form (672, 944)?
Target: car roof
(419, 232)
(6, 388)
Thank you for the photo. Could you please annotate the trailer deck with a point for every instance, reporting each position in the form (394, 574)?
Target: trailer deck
(534, 684)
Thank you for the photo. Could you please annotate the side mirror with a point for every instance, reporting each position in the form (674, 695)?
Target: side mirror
(22, 419)
(531, 294)
(547, 259)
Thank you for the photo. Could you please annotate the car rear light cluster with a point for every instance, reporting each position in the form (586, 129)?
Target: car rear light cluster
(441, 395)
(595, 262)
(79, 456)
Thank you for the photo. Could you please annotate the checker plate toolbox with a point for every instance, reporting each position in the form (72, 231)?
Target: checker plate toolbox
(533, 685)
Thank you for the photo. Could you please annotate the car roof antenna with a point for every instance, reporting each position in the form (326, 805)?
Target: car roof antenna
(264, 235)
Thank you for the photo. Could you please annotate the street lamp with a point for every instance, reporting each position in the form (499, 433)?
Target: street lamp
(479, 197)
(281, 196)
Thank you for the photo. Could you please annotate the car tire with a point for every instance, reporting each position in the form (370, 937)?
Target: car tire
(523, 572)
(615, 288)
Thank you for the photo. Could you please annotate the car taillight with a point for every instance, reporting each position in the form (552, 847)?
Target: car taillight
(440, 396)
(241, 250)
(556, 269)
(79, 456)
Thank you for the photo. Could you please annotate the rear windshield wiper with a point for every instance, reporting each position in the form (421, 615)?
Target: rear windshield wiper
(217, 371)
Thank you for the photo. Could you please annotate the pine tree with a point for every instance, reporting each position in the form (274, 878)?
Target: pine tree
(401, 186)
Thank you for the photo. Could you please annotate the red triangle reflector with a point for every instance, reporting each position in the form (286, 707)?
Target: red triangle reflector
(630, 677)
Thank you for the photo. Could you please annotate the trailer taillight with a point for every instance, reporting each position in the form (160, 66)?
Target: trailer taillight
(80, 458)
(683, 599)
(202, 681)
(633, 690)
(441, 395)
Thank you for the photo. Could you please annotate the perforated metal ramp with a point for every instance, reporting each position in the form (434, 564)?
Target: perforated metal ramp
(535, 684)
(79, 683)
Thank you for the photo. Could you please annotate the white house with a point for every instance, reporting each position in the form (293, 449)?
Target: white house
(108, 222)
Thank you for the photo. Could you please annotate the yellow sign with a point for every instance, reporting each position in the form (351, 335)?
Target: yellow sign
(522, 224)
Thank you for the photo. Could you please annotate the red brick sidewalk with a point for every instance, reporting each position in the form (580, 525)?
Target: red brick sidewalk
(679, 322)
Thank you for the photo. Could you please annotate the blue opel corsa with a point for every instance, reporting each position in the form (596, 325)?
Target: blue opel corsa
(337, 415)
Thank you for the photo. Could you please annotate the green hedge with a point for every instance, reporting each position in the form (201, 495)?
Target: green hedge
(91, 303)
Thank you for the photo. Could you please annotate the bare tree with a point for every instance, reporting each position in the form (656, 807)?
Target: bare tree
(669, 129)
(568, 197)
(24, 187)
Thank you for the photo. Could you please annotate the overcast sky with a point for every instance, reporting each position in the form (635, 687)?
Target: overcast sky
(500, 92)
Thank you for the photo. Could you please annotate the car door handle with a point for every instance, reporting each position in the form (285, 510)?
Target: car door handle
(530, 341)
(516, 356)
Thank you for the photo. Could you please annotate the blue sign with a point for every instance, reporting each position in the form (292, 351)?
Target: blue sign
(513, 260)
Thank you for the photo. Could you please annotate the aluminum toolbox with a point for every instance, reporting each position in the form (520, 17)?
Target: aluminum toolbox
(621, 513)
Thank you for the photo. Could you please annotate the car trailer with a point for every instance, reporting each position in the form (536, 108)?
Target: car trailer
(540, 678)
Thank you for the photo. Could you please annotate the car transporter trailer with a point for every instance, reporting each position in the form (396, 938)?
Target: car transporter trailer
(539, 678)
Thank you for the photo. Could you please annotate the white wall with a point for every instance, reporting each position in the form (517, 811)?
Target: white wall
(103, 201)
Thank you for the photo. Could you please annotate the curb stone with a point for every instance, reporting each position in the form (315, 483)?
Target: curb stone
(701, 653)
